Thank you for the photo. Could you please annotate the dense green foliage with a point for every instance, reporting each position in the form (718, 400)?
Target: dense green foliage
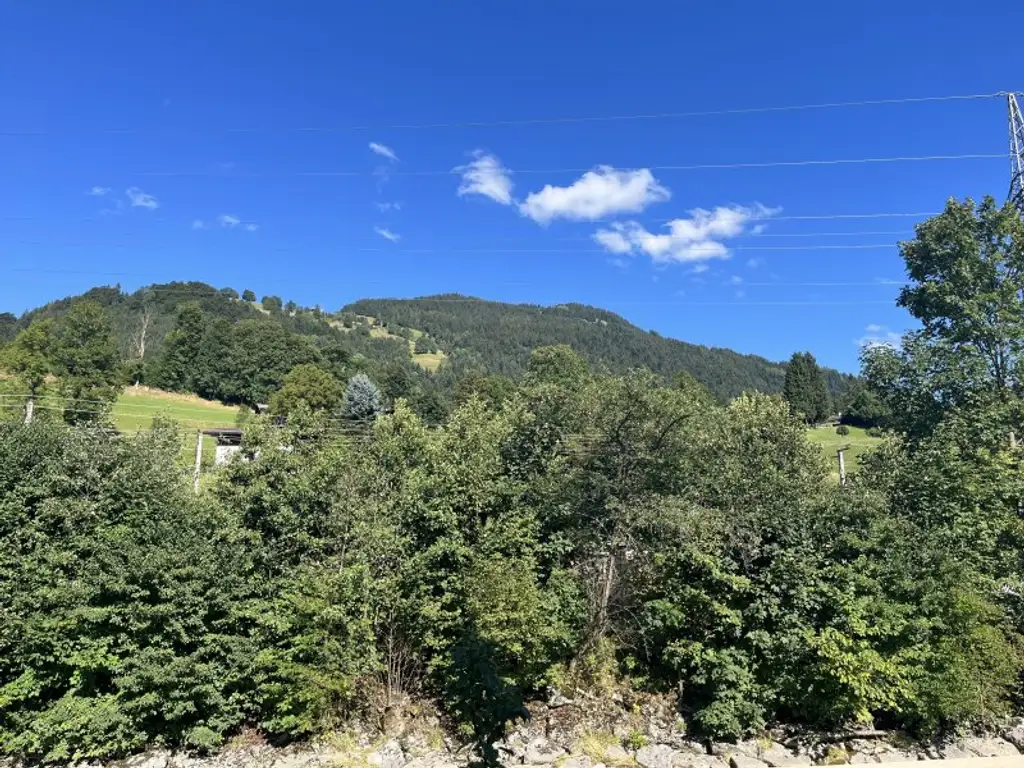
(805, 390)
(69, 364)
(572, 529)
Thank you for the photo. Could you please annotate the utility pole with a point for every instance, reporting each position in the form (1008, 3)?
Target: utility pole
(199, 460)
(842, 466)
(30, 408)
(1016, 153)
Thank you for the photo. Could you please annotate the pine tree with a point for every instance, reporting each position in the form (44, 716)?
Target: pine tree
(176, 369)
(805, 389)
(362, 398)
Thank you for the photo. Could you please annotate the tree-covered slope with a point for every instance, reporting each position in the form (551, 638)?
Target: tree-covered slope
(498, 337)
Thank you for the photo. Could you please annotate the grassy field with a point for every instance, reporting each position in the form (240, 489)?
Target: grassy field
(856, 443)
(136, 408)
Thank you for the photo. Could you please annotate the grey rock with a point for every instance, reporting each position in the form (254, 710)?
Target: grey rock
(989, 747)
(1015, 734)
(614, 753)
(148, 760)
(745, 761)
(540, 751)
(435, 760)
(580, 761)
(556, 699)
(860, 758)
(953, 752)
(388, 756)
(778, 756)
(700, 761)
(894, 756)
(656, 756)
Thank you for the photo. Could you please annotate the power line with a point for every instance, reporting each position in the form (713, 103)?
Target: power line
(558, 120)
(472, 251)
(551, 171)
(771, 219)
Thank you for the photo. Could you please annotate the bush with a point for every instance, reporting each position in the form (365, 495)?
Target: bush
(843, 430)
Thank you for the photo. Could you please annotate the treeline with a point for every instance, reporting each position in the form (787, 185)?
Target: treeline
(498, 338)
(591, 531)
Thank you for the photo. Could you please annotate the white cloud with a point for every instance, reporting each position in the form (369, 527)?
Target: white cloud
(755, 262)
(140, 199)
(385, 207)
(757, 229)
(878, 336)
(251, 227)
(99, 191)
(229, 221)
(387, 234)
(613, 241)
(696, 238)
(699, 269)
(485, 175)
(735, 280)
(384, 151)
(602, 192)
(200, 224)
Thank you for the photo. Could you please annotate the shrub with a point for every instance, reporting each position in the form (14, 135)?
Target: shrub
(843, 430)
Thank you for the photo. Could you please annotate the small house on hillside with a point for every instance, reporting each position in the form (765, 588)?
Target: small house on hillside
(229, 442)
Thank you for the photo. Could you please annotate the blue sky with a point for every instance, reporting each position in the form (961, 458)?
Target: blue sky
(230, 142)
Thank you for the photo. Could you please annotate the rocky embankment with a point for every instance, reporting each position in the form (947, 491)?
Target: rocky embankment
(566, 734)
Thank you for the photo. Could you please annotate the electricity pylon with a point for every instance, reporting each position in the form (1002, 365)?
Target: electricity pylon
(1016, 153)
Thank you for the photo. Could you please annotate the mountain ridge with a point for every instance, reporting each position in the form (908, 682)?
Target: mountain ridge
(475, 335)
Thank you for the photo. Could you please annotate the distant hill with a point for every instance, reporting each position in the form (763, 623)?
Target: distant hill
(498, 337)
(453, 334)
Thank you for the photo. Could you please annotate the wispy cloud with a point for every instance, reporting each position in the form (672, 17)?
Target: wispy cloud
(99, 191)
(384, 151)
(878, 336)
(386, 207)
(602, 192)
(735, 280)
(755, 262)
(699, 237)
(387, 234)
(251, 227)
(485, 175)
(757, 229)
(200, 224)
(228, 221)
(140, 199)
(698, 269)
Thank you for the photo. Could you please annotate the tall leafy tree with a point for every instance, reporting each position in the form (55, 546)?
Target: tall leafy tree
(31, 355)
(308, 386)
(176, 369)
(8, 327)
(86, 361)
(805, 389)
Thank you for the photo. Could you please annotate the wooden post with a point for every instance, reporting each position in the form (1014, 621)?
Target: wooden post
(199, 461)
(30, 408)
(842, 466)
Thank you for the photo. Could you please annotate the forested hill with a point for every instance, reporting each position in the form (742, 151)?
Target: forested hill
(498, 337)
(379, 336)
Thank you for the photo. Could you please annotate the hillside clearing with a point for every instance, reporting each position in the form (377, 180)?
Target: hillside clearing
(856, 444)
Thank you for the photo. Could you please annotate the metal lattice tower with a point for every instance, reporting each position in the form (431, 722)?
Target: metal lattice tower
(1016, 153)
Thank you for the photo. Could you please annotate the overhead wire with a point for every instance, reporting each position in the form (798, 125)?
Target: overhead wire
(552, 171)
(752, 110)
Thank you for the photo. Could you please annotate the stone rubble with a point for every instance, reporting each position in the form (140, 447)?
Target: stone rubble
(568, 734)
